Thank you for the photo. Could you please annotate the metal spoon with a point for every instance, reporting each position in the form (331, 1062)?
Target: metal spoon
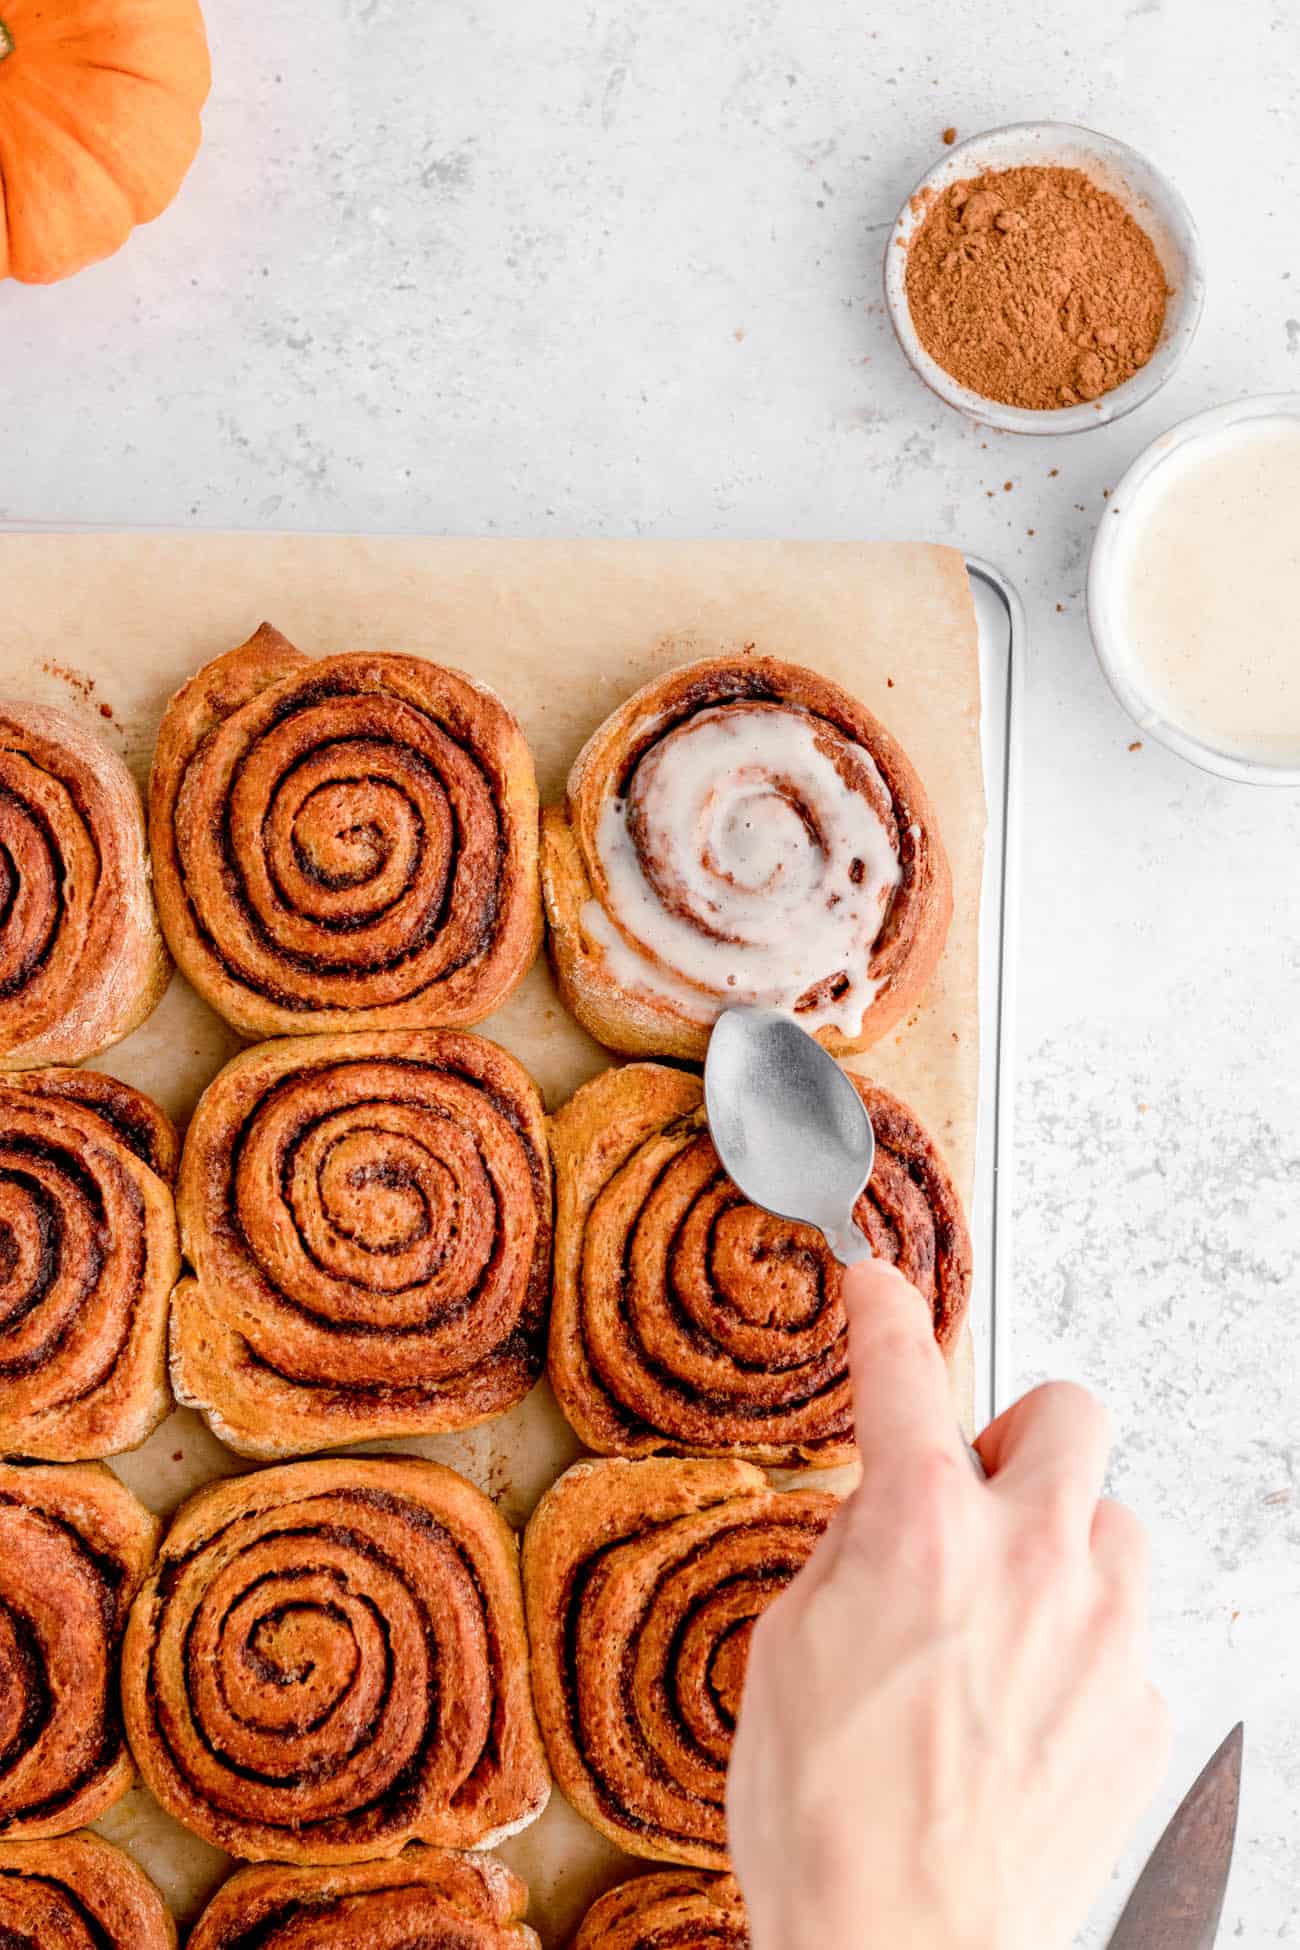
(789, 1127)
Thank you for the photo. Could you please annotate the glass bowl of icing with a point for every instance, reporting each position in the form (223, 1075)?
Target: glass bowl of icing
(1194, 590)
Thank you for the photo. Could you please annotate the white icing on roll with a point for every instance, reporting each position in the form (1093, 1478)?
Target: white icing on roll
(764, 868)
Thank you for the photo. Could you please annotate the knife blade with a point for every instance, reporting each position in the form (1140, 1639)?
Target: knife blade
(1178, 1898)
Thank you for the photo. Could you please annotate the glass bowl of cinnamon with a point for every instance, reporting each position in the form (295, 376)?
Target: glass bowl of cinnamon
(1043, 278)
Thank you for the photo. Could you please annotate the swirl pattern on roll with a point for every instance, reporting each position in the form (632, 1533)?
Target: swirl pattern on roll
(88, 1259)
(330, 1661)
(74, 1548)
(427, 1899)
(643, 1581)
(742, 831)
(79, 1893)
(81, 959)
(369, 1222)
(684, 1319)
(349, 843)
(677, 1909)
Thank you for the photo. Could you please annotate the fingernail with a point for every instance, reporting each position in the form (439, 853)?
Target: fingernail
(885, 1277)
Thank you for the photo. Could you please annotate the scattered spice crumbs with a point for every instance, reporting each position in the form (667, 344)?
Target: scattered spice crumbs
(1052, 473)
(1006, 487)
(1136, 746)
(76, 680)
(105, 710)
(178, 1455)
(949, 136)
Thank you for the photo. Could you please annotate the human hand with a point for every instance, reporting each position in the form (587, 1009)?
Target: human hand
(947, 1727)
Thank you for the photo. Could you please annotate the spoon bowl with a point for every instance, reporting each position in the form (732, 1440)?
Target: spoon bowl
(788, 1125)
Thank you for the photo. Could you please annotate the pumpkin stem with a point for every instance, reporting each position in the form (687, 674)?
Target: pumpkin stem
(6, 41)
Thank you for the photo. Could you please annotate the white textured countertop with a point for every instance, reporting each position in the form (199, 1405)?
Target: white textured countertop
(500, 268)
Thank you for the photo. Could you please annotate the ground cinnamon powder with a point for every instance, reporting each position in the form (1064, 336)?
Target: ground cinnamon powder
(1035, 287)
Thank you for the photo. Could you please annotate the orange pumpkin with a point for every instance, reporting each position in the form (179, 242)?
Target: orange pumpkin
(99, 121)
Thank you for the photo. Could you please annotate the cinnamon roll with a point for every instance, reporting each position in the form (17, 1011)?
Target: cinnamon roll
(685, 1319)
(81, 959)
(74, 1548)
(369, 1222)
(349, 843)
(134, 1119)
(742, 831)
(329, 1661)
(79, 1893)
(425, 1899)
(643, 1581)
(88, 1260)
(678, 1909)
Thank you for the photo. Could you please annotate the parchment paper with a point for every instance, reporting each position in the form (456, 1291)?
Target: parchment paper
(112, 624)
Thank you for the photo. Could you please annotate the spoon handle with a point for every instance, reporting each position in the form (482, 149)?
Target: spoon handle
(850, 1247)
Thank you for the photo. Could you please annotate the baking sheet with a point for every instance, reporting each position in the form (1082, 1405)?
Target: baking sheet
(108, 625)
(1002, 642)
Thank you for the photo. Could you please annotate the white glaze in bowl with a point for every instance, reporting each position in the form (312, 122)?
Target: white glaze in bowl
(1105, 567)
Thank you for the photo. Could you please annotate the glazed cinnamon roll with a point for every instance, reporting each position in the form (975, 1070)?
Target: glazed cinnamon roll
(88, 1260)
(349, 843)
(643, 1581)
(679, 1909)
(74, 1549)
(685, 1319)
(79, 1893)
(329, 1661)
(742, 831)
(369, 1222)
(427, 1899)
(81, 959)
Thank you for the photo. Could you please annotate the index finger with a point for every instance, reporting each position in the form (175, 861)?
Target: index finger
(902, 1402)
